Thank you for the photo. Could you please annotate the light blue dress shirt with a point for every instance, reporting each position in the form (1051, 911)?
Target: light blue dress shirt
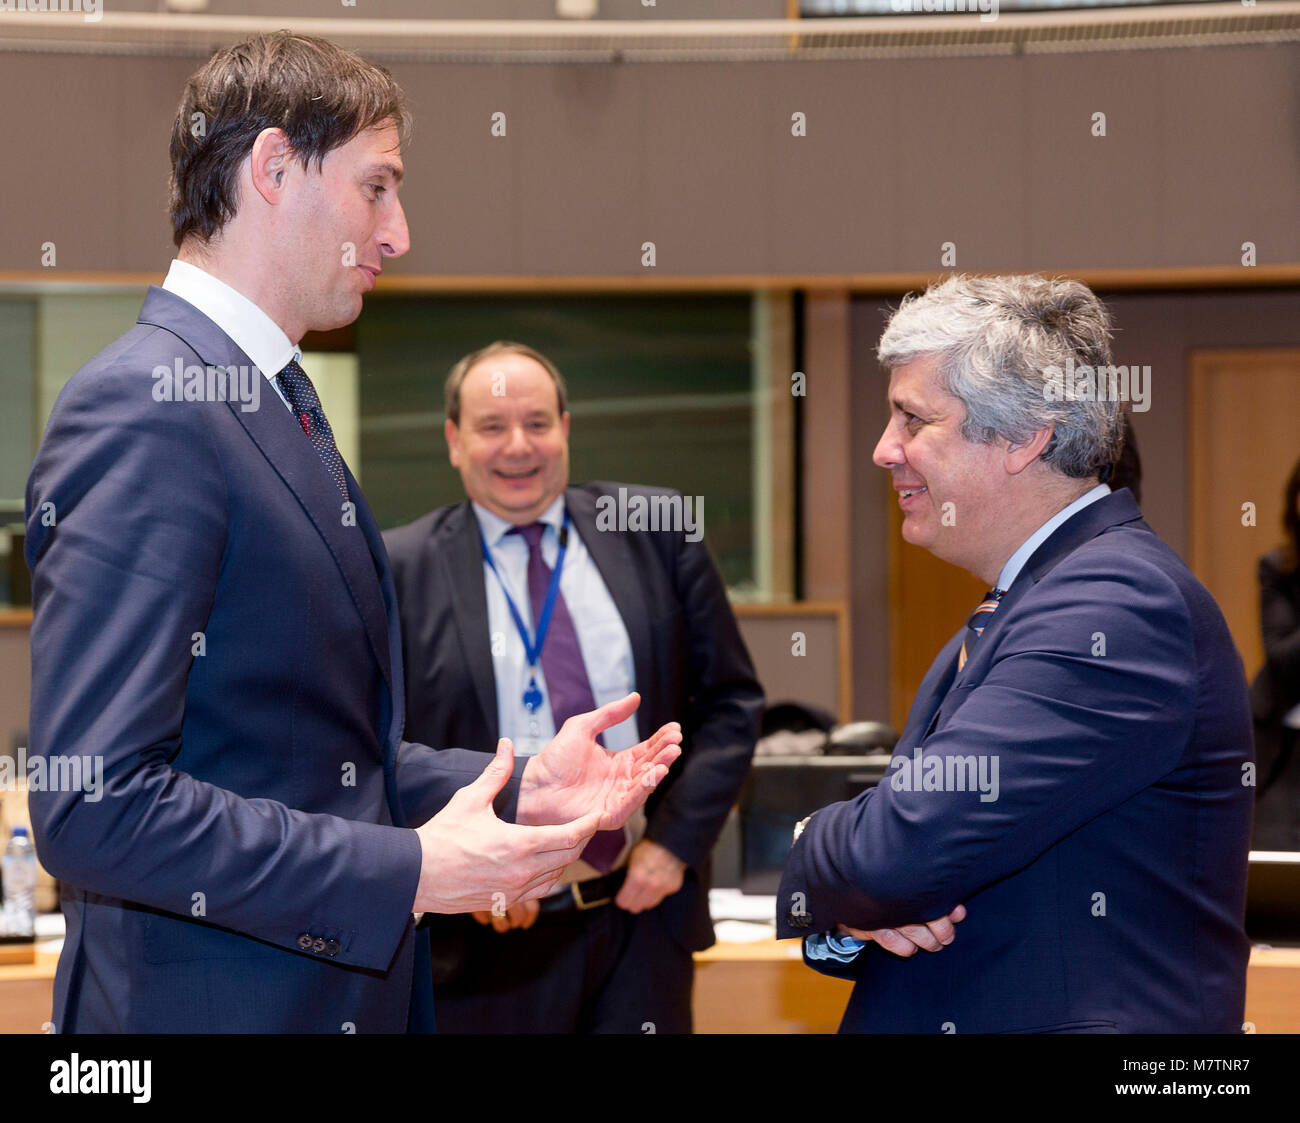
(606, 649)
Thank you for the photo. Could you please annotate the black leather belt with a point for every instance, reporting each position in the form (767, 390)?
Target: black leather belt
(583, 895)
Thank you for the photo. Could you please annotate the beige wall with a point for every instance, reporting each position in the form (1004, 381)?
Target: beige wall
(993, 154)
(901, 155)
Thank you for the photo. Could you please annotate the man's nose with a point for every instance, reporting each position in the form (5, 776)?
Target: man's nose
(517, 440)
(889, 452)
(394, 237)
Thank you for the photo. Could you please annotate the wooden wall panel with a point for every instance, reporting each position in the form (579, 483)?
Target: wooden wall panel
(929, 600)
(1244, 433)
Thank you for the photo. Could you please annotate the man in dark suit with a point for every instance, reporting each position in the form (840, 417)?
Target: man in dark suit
(1072, 784)
(644, 610)
(214, 619)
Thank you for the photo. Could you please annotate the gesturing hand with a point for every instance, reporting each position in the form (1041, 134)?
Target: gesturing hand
(573, 775)
(472, 862)
(932, 936)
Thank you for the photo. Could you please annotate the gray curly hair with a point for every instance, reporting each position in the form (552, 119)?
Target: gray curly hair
(998, 339)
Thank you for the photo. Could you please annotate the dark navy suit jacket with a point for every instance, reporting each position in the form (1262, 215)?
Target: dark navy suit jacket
(211, 621)
(690, 661)
(1105, 885)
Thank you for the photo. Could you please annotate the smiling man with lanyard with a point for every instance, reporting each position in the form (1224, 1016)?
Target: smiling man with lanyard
(517, 612)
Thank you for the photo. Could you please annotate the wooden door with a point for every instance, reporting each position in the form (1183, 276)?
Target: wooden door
(1244, 438)
(928, 601)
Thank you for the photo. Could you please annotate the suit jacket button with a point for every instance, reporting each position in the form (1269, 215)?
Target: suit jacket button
(318, 945)
(332, 948)
(304, 942)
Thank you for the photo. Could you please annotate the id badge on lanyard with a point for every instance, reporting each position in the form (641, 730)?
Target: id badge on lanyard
(532, 696)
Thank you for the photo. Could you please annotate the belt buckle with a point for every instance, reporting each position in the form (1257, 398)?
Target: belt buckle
(583, 905)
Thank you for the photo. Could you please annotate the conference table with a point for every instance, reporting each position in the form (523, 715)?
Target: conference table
(760, 986)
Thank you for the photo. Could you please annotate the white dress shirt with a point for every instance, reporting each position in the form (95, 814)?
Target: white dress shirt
(254, 332)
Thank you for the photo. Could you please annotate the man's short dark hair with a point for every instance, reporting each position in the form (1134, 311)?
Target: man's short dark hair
(320, 95)
(500, 347)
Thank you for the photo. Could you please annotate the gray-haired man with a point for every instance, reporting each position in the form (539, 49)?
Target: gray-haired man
(1071, 780)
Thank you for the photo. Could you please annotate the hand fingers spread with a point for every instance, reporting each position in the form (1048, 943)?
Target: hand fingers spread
(493, 778)
(662, 747)
(564, 838)
(653, 775)
(539, 886)
(667, 734)
(558, 847)
(611, 713)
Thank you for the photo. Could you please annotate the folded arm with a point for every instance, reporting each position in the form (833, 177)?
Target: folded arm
(1061, 734)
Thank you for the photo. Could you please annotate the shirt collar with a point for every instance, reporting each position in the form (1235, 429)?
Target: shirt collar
(254, 332)
(1016, 562)
(495, 528)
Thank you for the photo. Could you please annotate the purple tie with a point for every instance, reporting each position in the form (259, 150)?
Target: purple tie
(566, 674)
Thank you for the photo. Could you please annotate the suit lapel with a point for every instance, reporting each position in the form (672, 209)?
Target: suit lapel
(1115, 509)
(392, 617)
(461, 553)
(931, 693)
(280, 439)
(617, 566)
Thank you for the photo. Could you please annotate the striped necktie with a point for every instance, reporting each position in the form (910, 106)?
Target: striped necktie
(977, 622)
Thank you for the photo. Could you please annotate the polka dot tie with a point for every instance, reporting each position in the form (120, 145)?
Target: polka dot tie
(304, 402)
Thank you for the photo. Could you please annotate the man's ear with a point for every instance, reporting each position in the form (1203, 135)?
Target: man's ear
(268, 164)
(1018, 457)
(452, 433)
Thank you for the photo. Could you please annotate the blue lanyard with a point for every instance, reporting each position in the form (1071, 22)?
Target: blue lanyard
(533, 695)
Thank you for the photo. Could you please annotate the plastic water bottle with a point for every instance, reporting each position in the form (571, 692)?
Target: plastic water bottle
(19, 878)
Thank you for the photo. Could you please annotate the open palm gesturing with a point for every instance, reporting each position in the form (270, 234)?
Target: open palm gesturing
(574, 775)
